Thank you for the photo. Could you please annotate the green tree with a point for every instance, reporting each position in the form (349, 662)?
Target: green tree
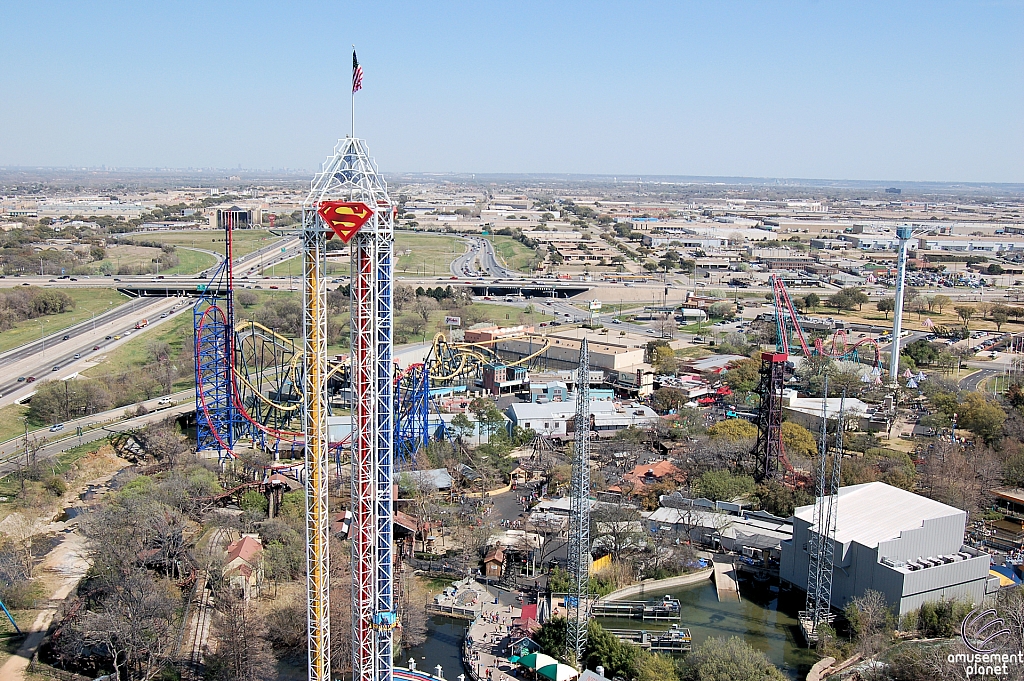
(253, 501)
(743, 375)
(965, 312)
(886, 305)
(1000, 315)
(463, 426)
(732, 430)
(666, 399)
(812, 301)
(664, 360)
(981, 416)
(797, 440)
(721, 485)
(731, 659)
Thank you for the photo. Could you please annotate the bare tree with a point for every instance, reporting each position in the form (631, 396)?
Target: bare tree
(243, 649)
(135, 623)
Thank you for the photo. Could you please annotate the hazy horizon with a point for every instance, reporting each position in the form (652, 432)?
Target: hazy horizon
(844, 91)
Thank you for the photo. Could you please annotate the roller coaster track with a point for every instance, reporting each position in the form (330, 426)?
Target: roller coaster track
(840, 347)
(452, 360)
(267, 366)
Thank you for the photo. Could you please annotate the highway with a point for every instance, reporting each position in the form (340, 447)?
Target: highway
(38, 363)
(480, 260)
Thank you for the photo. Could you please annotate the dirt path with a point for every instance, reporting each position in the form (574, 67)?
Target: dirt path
(62, 569)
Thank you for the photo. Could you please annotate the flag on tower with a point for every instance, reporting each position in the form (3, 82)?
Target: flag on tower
(357, 74)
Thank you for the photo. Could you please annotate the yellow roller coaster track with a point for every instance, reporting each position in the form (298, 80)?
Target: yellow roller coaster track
(469, 353)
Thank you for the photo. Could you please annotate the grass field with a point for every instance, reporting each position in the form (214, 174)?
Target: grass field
(189, 262)
(87, 302)
(11, 425)
(426, 254)
(134, 354)
(243, 241)
(515, 255)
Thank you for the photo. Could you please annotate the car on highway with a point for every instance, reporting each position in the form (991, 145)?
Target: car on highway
(163, 315)
(273, 287)
(95, 347)
(66, 337)
(53, 280)
(164, 400)
(25, 283)
(55, 368)
(616, 321)
(115, 337)
(21, 379)
(78, 355)
(107, 337)
(30, 379)
(55, 427)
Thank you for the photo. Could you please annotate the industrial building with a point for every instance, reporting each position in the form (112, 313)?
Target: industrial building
(557, 419)
(906, 546)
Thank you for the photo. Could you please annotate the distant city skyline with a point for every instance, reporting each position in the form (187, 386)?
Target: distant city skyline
(872, 91)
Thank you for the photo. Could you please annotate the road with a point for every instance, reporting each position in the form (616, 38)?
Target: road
(480, 260)
(138, 306)
(40, 363)
(102, 425)
(972, 382)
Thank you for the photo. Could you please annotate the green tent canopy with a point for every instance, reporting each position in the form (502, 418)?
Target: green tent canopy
(537, 660)
(558, 672)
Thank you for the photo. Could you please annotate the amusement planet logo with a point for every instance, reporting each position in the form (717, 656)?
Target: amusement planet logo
(984, 633)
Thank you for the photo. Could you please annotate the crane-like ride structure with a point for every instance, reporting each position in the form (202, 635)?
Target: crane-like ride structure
(822, 533)
(769, 455)
(349, 199)
(579, 517)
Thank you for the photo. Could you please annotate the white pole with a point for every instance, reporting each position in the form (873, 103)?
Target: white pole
(903, 233)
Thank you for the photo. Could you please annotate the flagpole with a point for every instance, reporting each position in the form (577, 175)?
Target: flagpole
(353, 116)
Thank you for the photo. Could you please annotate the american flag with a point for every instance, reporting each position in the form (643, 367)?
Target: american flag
(357, 74)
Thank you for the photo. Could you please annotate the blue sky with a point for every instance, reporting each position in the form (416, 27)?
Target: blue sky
(823, 89)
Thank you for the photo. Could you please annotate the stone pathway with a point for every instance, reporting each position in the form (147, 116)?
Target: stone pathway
(487, 643)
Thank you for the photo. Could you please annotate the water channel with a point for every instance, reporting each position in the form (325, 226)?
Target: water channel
(763, 618)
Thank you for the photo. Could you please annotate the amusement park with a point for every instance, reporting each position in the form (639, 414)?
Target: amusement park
(459, 426)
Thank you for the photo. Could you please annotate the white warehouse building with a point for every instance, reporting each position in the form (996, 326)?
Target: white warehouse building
(906, 546)
(557, 419)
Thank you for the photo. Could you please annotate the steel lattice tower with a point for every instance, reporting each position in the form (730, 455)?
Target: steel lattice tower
(822, 533)
(349, 183)
(579, 516)
(768, 454)
(213, 318)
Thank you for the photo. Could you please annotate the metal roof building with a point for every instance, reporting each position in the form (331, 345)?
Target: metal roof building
(904, 545)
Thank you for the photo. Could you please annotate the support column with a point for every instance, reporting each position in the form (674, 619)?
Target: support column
(316, 442)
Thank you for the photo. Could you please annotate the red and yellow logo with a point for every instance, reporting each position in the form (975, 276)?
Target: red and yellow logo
(344, 218)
